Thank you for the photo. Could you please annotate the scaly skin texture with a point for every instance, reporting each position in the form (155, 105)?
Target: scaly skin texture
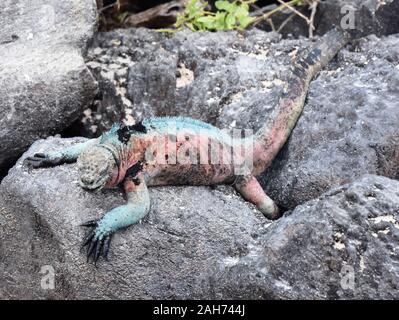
(184, 151)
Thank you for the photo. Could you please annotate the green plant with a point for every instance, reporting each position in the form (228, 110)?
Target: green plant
(234, 15)
(230, 16)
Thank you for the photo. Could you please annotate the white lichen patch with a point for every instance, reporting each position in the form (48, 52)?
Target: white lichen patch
(116, 73)
(230, 261)
(293, 54)
(87, 112)
(387, 218)
(116, 42)
(362, 265)
(282, 284)
(338, 235)
(129, 120)
(259, 54)
(339, 245)
(186, 76)
(380, 3)
(121, 91)
(211, 100)
(331, 72)
(236, 96)
(267, 85)
(338, 241)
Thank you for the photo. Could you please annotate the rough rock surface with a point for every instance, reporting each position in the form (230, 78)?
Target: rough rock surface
(371, 16)
(349, 126)
(367, 17)
(197, 242)
(343, 245)
(44, 82)
(208, 76)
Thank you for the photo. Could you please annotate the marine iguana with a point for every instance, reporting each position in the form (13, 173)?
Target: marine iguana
(121, 155)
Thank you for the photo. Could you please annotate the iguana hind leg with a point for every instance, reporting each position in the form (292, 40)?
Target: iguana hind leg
(137, 207)
(251, 190)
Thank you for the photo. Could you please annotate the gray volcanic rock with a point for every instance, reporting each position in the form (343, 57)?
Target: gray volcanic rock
(208, 76)
(44, 82)
(343, 245)
(197, 242)
(370, 16)
(349, 126)
(360, 17)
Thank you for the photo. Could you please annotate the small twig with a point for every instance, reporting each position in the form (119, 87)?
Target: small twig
(313, 7)
(262, 10)
(268, 14)
(281, 27)
(161, 15)
(254, 6)
(270, 21)
(289, 6)
(108, 6)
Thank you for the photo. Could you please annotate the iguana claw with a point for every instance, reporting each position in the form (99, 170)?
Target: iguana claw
(90, 223)
(40, 160)
(96, 245)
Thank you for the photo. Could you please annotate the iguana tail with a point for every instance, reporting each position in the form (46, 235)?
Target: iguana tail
(272, 136)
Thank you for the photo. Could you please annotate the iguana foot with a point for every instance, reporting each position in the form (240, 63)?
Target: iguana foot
(97, 241)
(41, 160)
(252, 191)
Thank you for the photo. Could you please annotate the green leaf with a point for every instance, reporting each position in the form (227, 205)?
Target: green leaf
(225, 5)
(220, 18)
(230, 21)
(195, 9)
(230, 15)
(244, 6)
(220, 15)
(246, 21)
(208, 22)
(241, 12)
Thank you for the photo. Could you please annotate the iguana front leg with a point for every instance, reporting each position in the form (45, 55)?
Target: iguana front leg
(138, 204)
(55, 158)
(251, 190)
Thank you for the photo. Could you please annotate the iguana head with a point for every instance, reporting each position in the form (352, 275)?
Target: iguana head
(97, 168)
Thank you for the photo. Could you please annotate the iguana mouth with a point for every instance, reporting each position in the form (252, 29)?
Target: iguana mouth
(94, 186)
(93, 189)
